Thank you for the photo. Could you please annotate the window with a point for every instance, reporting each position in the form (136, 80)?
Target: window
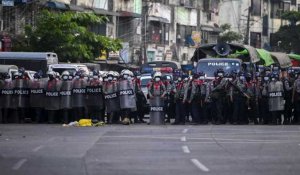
(276, 9)
(294, 2)
(158, 32)
(256, 7)
(184, 35)
(206, 5)
(286, 6)
(255, 39)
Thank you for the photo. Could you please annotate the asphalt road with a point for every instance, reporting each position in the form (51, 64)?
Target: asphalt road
(149, 150)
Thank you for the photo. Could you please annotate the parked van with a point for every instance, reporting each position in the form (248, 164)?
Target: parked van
(34, 61)
(72, 68)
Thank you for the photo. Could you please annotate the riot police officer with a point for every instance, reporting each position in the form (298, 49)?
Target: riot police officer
(7, 93)
(21, 94)
(78, 95)
(52, 97)
(218, 94)
(251, 100)
(180, 107)
(127, 96)
(37, 94)
(111, 97)
(288, 93)
(296, 98)
(276, 98)
(169, 103)
(66, 96)
(141, 100)
(263, 99)
(157, 92)
(94, 98)
(238, 99)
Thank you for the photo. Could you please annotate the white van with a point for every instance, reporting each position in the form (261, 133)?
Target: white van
(72, 68)
(10, 69)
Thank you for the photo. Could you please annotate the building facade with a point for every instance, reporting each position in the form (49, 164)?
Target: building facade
(263, 16)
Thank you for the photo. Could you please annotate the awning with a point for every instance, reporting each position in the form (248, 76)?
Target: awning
(282, 58)
(159, 19)
(210, 28)
(58, 5)
(105, 12)
(76, 8)
(266, 56)
(294, 56)
(252, 54)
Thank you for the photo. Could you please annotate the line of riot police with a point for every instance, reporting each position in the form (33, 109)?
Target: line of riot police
(268, 97)
(235, 98)
(70, 97)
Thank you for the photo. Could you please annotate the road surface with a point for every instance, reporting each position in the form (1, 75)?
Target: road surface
(149, 150)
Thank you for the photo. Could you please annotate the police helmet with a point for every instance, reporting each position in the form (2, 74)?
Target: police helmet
(5, 75)
(157, 74)
(36, 75)
(219, 73)
(275, 75)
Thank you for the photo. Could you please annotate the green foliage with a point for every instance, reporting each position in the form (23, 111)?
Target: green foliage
(67, 34)
(287, 38)
(228, 36)
(292, 16)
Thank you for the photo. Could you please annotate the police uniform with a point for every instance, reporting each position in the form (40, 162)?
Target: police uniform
(52, 97)
(239, 100)
(157, 92)
(37, 94)
(66, 97)
(296, 99)
(180, 107)
(288, 93)
(218, 94)
(276, 99)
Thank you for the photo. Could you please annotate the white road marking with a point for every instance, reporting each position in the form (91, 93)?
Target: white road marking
(199, 165)
(37, 148)
(185, 131)
(185, 149)
(19, 164)
(183, 139)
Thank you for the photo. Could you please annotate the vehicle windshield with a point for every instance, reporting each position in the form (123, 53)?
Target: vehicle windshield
(145, 81)
(209, 67)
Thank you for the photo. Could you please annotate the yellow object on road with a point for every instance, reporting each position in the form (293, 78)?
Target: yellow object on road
(85, 122)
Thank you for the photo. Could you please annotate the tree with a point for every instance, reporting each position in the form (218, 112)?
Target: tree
(229, 36)
(67, 34)
(287, 38)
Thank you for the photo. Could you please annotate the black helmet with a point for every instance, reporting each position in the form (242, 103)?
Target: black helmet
(37, 76)
(219, 72)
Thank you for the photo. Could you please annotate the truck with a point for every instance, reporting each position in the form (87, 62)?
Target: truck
(33, 61)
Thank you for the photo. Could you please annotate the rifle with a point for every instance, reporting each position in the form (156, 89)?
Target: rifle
(236, 87)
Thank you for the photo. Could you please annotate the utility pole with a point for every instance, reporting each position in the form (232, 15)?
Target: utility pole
(246, 40)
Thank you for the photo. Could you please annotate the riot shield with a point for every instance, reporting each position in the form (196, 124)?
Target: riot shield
(127, 95)
(94, 95)
(21, 93)
(78, 93)
(37, 93)
(276, 96)
(157, 113)
(66, 95)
